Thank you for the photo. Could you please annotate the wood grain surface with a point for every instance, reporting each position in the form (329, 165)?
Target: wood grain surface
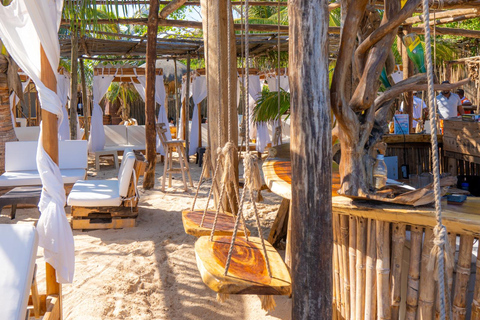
(248, 272)
(225, 223)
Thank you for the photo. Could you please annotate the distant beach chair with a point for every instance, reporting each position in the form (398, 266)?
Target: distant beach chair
(108, 204)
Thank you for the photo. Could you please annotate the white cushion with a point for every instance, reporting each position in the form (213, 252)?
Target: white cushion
(136, 135)
(73, 154)
(95, 193)
(115, 135)
(18, 251)
(27, 133)
(125, 173)
(21, 155)
(32, 177)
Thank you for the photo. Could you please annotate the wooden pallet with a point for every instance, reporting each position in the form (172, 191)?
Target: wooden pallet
(84, 218)
(225, 223)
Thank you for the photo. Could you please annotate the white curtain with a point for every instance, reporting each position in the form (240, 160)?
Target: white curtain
(14, 99)
(183, 95)
(63, 87)
(25, 25)
(160, 95)
(97, 133)
(199, 93)
(258, 130)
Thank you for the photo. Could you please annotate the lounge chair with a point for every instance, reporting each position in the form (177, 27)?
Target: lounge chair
(108, 204)
(18, 252)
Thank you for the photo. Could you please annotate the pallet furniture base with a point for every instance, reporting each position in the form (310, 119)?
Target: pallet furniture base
(87, 218)
(248, 269)
(225, 223)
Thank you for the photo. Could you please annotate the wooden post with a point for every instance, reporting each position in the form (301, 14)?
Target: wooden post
(86, 105)
(187, 109)
(407, 73)
(214, 32)
(177, 111)
(199, 109)
(150, 133)
(50, 144)
(183, 121)
(311, 155)
(73, 87)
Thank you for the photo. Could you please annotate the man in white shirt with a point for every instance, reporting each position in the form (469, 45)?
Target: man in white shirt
(418, 106)
(449, 104)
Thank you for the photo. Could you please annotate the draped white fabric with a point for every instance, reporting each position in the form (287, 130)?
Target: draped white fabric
(25, 25)
(183, 95)
(14, 99)
(199, 93)
(273, 85)
(63, 87)
(160, 95)
(97, 133)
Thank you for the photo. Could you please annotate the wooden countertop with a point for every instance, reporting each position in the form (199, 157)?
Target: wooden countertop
(409, 138)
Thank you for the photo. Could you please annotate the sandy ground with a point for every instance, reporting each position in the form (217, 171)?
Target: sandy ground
(150, 272)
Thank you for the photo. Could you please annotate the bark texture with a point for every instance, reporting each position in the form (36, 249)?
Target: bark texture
(311, 155)
(150, 133)
(7, 132)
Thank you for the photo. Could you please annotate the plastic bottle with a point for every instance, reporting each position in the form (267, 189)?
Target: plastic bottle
(380, 173)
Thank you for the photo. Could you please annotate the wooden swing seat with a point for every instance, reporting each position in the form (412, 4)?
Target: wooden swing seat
(225, 223)
(248, 272)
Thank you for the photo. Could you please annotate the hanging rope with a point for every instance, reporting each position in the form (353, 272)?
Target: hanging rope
(229, 67)
(440, 232)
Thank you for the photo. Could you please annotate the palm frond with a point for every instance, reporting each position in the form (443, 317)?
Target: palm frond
(267, 107)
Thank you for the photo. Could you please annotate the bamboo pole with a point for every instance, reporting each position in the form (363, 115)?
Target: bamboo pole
(150, 69)
(427, 282)
(416, 234)
(344, 246)
(360, 265)
(476, 292)
(352, 228)
(462, 276)
(187, 110)
(336, 268)
(370, 278)
(50, 144)
(86, 104)
(341, 272)
(398, 239)
(383, 269)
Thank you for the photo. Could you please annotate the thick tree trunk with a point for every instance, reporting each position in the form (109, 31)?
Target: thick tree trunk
(73, 87)
(311, 155)
(407, 73)
(214, 19)
(150, 133)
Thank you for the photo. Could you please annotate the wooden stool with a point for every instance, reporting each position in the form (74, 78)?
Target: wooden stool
(169, 146)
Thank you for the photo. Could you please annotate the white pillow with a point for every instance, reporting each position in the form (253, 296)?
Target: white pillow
(125, 173)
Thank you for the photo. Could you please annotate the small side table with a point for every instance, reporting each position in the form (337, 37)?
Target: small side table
(20, 195)
(102, 153)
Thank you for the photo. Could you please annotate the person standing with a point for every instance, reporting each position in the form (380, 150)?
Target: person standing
(418, 107)
(449, 104)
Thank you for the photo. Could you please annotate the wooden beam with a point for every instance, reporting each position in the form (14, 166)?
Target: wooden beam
(170, 8)
(311, 152)
(451, 32)
(441, 15)
(50, 144)
(182, 24)
(188, 3)
(150, 132)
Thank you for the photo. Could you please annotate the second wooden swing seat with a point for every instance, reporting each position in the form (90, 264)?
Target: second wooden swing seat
(248, 273)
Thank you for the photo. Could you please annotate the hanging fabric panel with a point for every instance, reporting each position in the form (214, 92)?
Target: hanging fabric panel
(160, 99)
(97, 133)
(14, 99)
(63, 87)
(25, 26)
(199, 93)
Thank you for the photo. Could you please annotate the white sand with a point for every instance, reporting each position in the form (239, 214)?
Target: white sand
(149, 272)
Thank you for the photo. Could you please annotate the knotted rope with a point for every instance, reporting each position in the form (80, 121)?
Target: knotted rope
(440, 232)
